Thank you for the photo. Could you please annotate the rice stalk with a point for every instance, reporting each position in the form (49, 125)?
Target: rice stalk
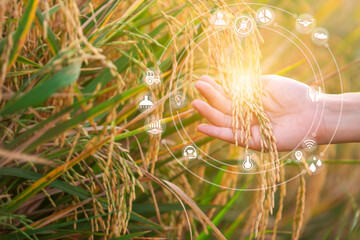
(281, 203)
(125, 44)
(238, 63)
(300, 208)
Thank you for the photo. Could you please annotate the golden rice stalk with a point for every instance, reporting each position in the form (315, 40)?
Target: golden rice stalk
(281, 203)
(5, 154)
(300, 208)
(238, 62)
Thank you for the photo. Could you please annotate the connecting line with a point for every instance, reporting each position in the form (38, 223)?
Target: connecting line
(341, 85)
(342, 96)
(318, 67)
(172, 115)
(182, 205)
(229, 5)
(276, 25)
(229, 188)
(180, 70)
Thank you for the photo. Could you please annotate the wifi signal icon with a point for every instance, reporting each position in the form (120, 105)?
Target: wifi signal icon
(310, 144)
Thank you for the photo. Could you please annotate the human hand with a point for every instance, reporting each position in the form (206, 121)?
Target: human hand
(286, 103)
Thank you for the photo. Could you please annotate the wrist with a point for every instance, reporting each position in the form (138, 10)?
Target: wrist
(341, 115)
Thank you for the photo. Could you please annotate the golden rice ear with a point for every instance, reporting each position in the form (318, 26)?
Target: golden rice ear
(238, 62)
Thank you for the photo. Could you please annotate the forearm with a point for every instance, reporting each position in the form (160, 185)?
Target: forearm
(347, 108)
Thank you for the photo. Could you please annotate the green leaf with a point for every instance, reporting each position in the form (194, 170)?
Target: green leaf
(27, 61)
(40, 125)
(100, 108)
(130, 236)
(50, 38)
(58, 184)
(132, 13)
(122, 62)
(44, 90)
(102, 13)
(55, 227)
(220, 215)
(21, 32)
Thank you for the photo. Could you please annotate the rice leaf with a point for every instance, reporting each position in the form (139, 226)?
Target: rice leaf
(130, 236)
(44, 90)
(217, 219)
(22, 31)
(51, 38)
(25, 60)
(58, 184)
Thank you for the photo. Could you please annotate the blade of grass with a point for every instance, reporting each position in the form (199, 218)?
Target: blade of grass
(51, 39)
(44, 90)
(22, 31)
(74, 121)
(40, 125)
(122, 63)
(131, 236)
(195, 208)
(57, 172)
(133, 216)
(217, 219)
(27, 61)
(289, 68)
(58, 184)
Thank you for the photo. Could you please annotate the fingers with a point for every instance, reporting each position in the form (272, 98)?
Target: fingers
(214, 97)
(222, 133)
(213, 115)
(226, 134)
(211, 81)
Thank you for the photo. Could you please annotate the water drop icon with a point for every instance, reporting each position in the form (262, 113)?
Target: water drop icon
(319, 163)
(312, 167)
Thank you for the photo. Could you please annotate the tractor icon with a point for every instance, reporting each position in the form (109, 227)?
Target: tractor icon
(152, 77)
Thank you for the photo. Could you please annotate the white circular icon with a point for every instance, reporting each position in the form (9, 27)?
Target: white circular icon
(248, 163)
(315, 164)
(179, 100)
(144, 101)
(320, 36)
(152, 77)
(220, 19)
(190, 152)
(154, 126)
(298, 155)
(305, 23)
(243, 25)
(265, 16)
(309, 144)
